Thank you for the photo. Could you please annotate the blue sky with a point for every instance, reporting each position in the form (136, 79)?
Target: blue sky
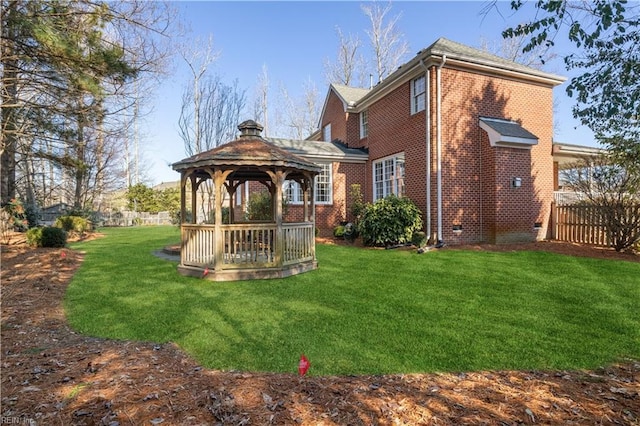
(294, 39)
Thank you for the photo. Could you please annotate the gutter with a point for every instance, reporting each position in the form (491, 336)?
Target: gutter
(427, 120)
(439, 145)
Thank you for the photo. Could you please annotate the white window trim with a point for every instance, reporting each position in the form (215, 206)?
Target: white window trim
(364, 126)
(395, 188)
(414, 109)
(298, 200)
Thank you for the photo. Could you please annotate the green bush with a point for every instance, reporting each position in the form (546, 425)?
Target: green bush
(259, 206)
(47, 236)
(388, 221)
(419, 239)
(74, 224)
(338, 231)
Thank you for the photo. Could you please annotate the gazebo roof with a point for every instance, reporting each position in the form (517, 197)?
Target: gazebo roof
(250, 151)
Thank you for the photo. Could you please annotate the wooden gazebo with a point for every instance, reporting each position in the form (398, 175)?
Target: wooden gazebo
(243, 249)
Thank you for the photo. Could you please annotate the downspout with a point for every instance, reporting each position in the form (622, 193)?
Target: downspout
(427, 119)
(439, 146)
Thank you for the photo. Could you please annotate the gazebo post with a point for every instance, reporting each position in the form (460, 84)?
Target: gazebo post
(219, 177)
(194, 200)
(183, 197)
(312, 218)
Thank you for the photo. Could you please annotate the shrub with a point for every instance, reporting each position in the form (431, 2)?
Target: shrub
(47, 236)
(17, 215)
(74, 224)
(357, 202)
(391, 220)
(338, 231)
(419, 239)
(259, 206)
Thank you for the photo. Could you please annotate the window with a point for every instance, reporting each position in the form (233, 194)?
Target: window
(293, 192)
(388, 177)
(417, 95)
(364, 124)
(323, 188)
(326, 133)
(323, 185)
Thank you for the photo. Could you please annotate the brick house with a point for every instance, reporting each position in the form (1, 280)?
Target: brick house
(465, 134)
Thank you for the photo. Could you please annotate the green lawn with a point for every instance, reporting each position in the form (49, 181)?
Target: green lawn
(366, 311)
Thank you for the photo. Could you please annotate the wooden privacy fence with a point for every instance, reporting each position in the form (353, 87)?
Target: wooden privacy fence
(584, 224)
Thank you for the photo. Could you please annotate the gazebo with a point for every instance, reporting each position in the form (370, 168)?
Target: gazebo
(242, 249)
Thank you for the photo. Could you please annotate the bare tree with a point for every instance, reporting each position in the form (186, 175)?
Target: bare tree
(198, 59)
(512, 49)
(389, 48)
(349, 65)
(300, 115)
(261, 100)
(215, 121)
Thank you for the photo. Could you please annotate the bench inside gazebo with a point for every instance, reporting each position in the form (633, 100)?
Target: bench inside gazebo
(240, 250)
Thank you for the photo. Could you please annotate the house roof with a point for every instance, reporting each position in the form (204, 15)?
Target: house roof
(504, 132)
(321, 150)
(450, 54)
(452, 49)
(349, 95)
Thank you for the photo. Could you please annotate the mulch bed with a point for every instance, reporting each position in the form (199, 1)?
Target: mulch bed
(52, 375)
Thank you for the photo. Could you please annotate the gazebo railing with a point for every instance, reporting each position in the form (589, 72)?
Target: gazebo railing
(299, 242)
(247, 245)
(197, 248)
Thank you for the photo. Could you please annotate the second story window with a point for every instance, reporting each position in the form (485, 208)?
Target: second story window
(326, 133)
(418, 94)
(364, 124)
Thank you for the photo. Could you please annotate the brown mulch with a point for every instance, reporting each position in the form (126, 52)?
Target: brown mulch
(52, 375)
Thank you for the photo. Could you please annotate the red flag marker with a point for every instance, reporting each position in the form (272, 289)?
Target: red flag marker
(205, 272)
(303, 365)
(63, 254)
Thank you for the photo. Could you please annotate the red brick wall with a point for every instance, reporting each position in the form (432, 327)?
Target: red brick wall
(335, 114)
(476, 178)
(488, 208)
(393, 130)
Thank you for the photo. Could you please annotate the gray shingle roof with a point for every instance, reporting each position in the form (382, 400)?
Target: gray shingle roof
(461, 51)
(508, 128)
(349, 94)
(320, 150)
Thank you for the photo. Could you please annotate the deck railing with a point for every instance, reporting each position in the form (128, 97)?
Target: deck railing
(247, 245)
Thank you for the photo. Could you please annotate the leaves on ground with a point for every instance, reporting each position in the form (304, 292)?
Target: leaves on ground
(55, 376)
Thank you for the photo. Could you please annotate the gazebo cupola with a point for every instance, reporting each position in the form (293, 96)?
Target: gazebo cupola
(243, 249)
